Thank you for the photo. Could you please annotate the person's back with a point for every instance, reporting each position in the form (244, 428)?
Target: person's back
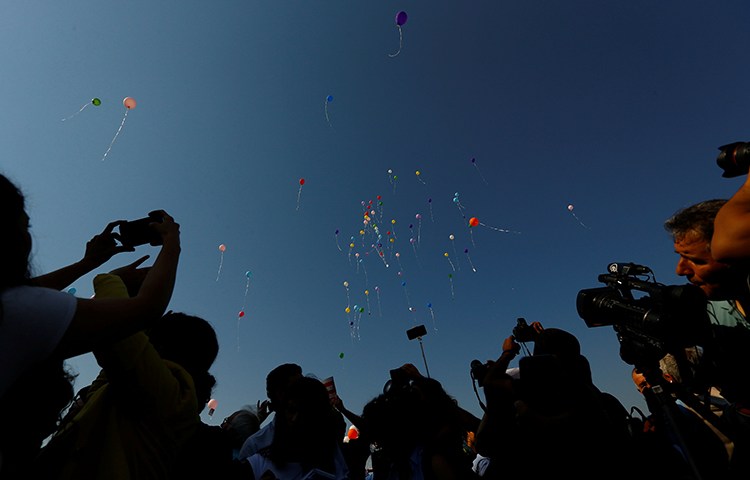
(142, 408)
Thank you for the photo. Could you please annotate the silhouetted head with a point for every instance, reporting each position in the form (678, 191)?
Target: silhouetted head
(277, 382)
(15, 241)
(191, 342)
(554, 341)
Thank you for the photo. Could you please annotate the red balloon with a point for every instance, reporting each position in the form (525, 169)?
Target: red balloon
(473, 221)
(353, 433)
(241, 314)
(301, 181)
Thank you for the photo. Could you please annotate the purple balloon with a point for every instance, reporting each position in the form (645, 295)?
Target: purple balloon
(401, 18)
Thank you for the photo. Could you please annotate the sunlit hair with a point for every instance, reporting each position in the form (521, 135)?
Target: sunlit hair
(695, 220)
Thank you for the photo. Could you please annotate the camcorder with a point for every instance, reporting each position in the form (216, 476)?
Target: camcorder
(139, 232)
(734, 159)
(651, 319)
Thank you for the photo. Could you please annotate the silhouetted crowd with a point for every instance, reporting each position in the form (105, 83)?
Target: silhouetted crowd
(141, 417)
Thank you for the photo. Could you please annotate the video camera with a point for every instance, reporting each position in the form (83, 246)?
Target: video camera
(660, 319)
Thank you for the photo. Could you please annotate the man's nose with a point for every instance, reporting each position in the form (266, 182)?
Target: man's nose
(683, 267)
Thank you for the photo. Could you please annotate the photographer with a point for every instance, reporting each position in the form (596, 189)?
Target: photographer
(553, 420)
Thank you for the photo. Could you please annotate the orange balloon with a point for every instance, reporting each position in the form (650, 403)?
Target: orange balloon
(353, 433)
(473, 221)
(213, 403)
(129, 102)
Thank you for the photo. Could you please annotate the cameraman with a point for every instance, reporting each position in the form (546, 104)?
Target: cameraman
(553, 420)
(726, 288)
(725, 354)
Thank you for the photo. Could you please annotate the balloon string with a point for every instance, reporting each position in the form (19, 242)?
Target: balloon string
(221, 262)
(499, 229)
(116, 134)
(79, 111)
(400, 38)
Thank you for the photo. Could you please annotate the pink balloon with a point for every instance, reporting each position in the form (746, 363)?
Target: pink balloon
(222, 247)
(129, 102)
(213, 403)
(570, 207)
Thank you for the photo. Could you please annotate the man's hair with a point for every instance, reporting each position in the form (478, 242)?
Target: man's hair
(696, 220)
(278, 378)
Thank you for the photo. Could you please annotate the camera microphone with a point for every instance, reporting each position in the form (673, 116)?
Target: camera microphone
(628, 269)
(734, 159)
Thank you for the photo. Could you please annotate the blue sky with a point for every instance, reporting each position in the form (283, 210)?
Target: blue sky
(614, 107)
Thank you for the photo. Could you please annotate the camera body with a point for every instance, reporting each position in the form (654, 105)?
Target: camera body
(139, 232)
(478, 371)
(523, 332)
(661, 319)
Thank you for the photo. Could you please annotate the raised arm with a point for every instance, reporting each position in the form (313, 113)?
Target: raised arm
(106, 319)
(731, 239)
(99, 250)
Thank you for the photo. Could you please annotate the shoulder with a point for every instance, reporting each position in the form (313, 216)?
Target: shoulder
(33, 321)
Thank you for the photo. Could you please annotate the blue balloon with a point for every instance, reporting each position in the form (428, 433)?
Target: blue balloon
(329, 98)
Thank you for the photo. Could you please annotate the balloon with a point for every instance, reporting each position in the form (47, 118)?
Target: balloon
(222, 248)
(241, 314)
(341, 355)
(329, 98)
(212, 404)
(418, 216)
(417, 172)
(301, 181)
(473, 221)
(129, 102)
(72, 290)
(248, 274)
(346, 284)
(347, 309)
(570, 207)
(451, 237)
(353, 433)
(401, 18)
(96, 102)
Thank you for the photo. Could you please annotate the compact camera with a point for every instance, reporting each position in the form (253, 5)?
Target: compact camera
(139, 232)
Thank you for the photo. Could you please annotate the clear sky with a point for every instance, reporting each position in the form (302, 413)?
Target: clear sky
(616, 108)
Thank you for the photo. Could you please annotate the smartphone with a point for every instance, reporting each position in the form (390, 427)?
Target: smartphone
(139, 232)
(416, 332)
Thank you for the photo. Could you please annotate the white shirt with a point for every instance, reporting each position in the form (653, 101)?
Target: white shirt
(32, 322)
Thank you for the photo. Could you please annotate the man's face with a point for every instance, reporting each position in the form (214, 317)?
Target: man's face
(716, 279)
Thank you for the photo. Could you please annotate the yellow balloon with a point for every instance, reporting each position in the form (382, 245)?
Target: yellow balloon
(347, 309)
(417, 172)
(445, 254)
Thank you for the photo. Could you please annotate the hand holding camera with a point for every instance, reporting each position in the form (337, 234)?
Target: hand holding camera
(149, 230)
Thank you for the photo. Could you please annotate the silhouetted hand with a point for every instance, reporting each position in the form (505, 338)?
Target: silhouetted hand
(264, 410)
(132, 276)
(104, 246)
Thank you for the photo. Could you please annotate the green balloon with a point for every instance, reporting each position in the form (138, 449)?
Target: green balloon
(341, 355)
(96, 102)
